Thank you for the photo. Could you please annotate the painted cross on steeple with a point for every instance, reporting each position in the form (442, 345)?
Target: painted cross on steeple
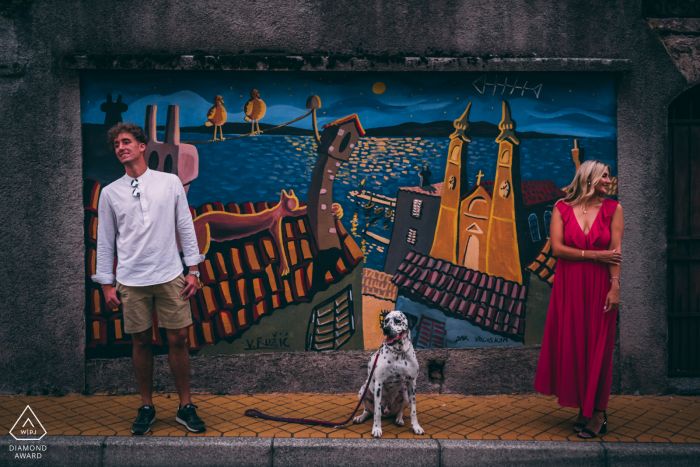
(478, 177)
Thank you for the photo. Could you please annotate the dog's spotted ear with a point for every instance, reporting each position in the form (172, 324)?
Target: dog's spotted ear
(412, 320)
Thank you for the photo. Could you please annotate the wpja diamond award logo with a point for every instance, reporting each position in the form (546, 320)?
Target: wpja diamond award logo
(28, 428)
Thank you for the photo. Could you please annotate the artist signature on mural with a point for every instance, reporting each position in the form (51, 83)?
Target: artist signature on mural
(488, 340)
(277, 341)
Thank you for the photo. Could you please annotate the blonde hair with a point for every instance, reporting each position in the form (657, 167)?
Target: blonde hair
(582, 188)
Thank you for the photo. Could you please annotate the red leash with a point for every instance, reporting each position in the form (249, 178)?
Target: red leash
(255, 413)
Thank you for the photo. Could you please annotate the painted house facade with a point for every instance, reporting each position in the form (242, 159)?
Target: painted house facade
(417, 210)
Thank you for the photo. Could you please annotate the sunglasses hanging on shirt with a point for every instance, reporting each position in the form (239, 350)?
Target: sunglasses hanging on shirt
(135, 184)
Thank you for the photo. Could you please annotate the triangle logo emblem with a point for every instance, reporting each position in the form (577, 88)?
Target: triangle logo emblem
(28, 427)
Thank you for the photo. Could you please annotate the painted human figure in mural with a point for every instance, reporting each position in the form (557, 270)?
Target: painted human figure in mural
(576, 359)
(146, 211)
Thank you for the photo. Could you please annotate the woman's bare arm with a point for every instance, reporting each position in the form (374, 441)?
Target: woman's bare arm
(616, 229)
(559, 250)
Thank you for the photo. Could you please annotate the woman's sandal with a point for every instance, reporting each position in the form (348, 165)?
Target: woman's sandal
(578, 426)
(591, 435)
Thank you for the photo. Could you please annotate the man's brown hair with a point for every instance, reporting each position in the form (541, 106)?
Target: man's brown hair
(131, 128)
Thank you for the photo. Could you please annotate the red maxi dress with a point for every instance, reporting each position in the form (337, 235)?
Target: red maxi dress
(576, 358)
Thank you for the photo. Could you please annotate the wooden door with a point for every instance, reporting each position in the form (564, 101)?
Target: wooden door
(684, 235)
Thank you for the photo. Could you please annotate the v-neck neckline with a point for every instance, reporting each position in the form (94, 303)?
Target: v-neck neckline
(592, 224)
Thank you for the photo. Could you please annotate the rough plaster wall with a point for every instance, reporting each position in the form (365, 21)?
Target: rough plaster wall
(643, 98)
(41, 245)
(447, 371)
(680, 37)
(478, 28)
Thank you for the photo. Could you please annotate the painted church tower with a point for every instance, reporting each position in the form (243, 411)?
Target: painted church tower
(502, 253)
(446, 235)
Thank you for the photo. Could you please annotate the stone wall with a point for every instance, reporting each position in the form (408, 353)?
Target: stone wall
(681, 37)
(45, 47)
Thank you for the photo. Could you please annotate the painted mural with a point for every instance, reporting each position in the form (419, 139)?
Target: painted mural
(324, 200)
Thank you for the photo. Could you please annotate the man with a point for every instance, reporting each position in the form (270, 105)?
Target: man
(142, 211)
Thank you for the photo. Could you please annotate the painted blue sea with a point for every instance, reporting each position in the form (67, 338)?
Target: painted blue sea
(257, 168)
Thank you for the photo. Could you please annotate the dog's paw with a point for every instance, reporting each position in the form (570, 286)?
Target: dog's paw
(358, 419)
(418, 430)
(377, 432)
(399, 421)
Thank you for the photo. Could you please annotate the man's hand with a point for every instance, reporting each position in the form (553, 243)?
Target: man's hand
(110, 293)
(191, 287)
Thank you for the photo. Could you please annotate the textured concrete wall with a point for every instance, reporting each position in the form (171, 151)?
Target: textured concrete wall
(680, 37)
(41, 244)
(493, 370)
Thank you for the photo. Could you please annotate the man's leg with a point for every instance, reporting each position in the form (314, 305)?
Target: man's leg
(179, 359)
(137, 305)
(175, 315)
(143, 367)
(143, 364)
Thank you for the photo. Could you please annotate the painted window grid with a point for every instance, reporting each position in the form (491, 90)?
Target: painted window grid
(417, 208)
(430, 334)
(411, 236)
(332, 323)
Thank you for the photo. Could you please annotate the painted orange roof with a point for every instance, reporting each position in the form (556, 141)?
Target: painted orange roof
(545, 264)
(241, 280)
(347, 119)
(378, 284)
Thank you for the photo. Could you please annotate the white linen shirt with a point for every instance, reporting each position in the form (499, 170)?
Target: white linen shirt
(144, 227)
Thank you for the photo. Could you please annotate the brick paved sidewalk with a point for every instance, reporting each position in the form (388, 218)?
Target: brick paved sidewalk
(662, 419)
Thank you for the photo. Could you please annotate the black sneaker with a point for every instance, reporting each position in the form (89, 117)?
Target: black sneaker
(146, 417)
(188, 416)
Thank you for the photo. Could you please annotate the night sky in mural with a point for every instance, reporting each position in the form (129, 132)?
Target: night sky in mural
(564, 104)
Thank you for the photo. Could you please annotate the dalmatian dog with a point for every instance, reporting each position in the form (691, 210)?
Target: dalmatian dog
(393, 386)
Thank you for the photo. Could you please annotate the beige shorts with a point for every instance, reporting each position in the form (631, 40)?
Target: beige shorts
(138, 303)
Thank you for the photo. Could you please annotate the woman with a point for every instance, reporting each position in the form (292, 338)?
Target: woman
(576, 358)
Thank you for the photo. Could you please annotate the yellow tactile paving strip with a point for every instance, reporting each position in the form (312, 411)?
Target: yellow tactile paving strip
(674, 419)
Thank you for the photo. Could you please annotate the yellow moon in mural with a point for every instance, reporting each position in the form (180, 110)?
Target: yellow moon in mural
(379, 87)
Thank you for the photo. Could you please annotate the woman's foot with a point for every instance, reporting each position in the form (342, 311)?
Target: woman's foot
(597, 425)
(580, 422)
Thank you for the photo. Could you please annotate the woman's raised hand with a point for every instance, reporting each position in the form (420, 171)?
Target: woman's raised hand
(610, 257)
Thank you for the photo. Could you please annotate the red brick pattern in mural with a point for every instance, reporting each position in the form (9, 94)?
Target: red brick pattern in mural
(241, 280)
(488, 301)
